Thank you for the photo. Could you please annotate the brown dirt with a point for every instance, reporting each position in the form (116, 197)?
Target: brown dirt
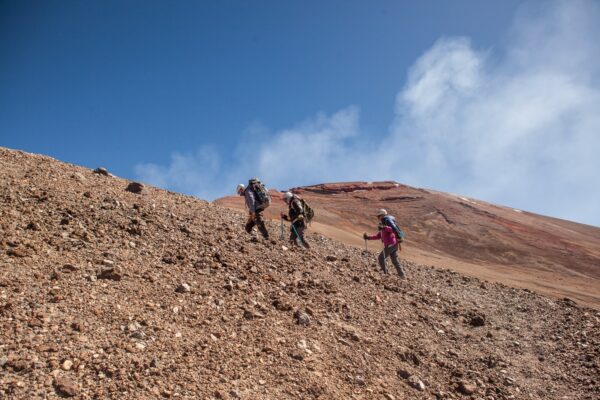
(109, 294)
(551, 256)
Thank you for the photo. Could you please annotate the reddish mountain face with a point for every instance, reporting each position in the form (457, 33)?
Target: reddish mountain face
(502, 244)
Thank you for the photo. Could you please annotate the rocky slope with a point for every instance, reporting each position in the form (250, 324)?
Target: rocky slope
(106, 293)
(551, 256)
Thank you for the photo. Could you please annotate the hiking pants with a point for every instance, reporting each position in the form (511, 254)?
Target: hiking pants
(257, 220)
(392, 252)
(300, 228)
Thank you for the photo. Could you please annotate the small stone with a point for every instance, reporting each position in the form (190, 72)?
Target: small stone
(416, 383)
(140, 346)
(389, 396)
(404, 373)
(331, 258)
(101, 171)
(466, 388)
(67, 365)
(135, 187)
(108, 263)
(477, 320)
(183, 288)
(133, 326)
(302, 318)
(66, 387)
(138, 335)
(16, 253)
(70, 268)
(112, 273)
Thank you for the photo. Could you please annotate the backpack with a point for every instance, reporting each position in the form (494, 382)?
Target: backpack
(262, 196)
(391, 222)
(308, 212)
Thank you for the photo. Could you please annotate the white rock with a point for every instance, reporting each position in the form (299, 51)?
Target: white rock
(67, 365)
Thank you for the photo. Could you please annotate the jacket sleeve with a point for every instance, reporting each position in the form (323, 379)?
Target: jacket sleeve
(250, 201)
(297, 206)
(375, 237)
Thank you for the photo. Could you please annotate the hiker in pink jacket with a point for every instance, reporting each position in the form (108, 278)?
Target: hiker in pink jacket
(390, 245)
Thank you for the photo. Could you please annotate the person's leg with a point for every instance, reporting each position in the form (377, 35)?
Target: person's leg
(249, 224)
(260, 223)
(382, 264)
(301, 227)
(393, 251)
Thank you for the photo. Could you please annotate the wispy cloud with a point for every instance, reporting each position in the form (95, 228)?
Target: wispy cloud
(518, 125)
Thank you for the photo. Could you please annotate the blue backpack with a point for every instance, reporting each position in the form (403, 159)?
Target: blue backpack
(390, 221)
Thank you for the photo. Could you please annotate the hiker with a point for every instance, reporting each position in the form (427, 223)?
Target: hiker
(297, 218)
(391, 243)
(255, 205)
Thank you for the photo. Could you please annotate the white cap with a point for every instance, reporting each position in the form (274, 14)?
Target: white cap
(287, 196)
(381, 212)
(240, 187)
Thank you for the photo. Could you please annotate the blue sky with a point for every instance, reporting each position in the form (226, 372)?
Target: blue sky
(495, 100)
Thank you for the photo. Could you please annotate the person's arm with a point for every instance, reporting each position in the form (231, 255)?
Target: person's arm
(250, 201)
(374, 237)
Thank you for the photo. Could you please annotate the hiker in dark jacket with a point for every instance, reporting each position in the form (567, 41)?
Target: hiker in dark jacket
(391, 245)
(255, 215)
(296, 217)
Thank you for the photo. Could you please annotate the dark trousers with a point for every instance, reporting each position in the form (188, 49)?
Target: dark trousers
(257, 219)
(391, 252)
(299, 226)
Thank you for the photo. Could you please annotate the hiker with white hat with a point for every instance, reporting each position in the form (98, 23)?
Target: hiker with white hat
(297, 215)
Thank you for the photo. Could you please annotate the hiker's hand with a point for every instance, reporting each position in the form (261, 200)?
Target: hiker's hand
(365, 236)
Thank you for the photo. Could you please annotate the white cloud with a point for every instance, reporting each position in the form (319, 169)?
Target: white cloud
(518, 126)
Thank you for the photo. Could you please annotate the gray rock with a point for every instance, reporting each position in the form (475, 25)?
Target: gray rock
(101, 171)
(183, 288)
(416, 383)
(302, 318)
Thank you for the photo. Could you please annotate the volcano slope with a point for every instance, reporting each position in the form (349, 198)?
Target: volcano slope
(106, 293)
(496, 243)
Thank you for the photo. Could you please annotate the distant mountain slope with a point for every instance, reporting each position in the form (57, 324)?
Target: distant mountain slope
(493, 242)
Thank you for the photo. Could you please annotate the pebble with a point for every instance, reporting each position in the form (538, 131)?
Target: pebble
(67, 365)
(302, 318)
(66, 387)
(416, 383)
(466, 387)
(183, 288)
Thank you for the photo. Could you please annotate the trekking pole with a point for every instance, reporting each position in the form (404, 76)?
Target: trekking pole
(384, 259)
(366, 254)
(298, 238)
